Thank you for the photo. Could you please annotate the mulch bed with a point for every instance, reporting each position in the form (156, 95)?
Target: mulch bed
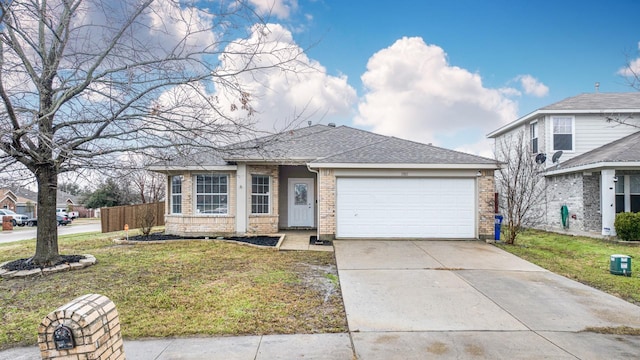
(26, 264)
(254, 240)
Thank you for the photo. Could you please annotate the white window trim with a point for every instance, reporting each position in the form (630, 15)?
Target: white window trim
(171, 202)
(268, 194)
(573, 133)
(531, 125)
(194, 180)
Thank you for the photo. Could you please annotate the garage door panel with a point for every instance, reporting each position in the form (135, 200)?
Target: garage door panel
(396, 208)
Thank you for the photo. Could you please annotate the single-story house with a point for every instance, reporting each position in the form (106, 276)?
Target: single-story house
(341, 181)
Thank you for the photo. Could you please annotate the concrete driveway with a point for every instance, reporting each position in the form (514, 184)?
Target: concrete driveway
(471, 300)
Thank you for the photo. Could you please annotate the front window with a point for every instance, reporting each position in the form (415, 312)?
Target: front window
(176, 195)
(628, 193)
(260, 194)
(212, 194)
(620, 194)
(534, 137)
(563, 133)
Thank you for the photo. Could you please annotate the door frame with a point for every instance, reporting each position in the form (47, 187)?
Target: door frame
(310, 198)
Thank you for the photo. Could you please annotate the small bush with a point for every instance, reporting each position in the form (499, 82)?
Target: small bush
(628, 226)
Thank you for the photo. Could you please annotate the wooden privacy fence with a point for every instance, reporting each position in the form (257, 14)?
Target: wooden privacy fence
(114, 218)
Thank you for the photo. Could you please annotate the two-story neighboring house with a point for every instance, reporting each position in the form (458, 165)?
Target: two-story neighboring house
(597, 169)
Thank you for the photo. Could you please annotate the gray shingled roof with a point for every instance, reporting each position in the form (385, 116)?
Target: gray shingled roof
(398, 151)
(309, 143)
(623, 150)
(583, 103)
(598, 101)
(328, 144)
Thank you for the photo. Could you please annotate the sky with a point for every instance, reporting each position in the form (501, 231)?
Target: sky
(447, 72)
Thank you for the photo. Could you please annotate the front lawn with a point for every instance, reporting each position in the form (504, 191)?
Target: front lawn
(180, 289)
(580, 258)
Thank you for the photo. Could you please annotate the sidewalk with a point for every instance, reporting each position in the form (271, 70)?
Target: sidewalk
(266, 347)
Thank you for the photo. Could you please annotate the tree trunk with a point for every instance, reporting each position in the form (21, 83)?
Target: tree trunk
(47, 233)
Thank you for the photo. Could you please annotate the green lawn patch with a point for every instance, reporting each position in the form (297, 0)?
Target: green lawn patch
(582, 259)
(183, 288)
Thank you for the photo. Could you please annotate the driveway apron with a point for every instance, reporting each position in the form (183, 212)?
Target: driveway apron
(469, 299)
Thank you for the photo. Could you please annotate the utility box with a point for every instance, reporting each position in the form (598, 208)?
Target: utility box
(620, 265)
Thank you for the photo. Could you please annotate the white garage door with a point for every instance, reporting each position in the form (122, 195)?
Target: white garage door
(406, 208)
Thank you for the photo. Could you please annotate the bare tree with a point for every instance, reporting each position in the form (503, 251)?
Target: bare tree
(83, 82)
(521, 186)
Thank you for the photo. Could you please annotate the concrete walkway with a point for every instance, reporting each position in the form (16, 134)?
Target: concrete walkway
(433, 299)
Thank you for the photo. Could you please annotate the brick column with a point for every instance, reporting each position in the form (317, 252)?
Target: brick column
(486, 217)
(94, 323)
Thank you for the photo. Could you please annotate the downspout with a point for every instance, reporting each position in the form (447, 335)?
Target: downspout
(317, 201)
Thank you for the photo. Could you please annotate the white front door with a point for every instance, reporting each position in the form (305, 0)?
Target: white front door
(301, 202)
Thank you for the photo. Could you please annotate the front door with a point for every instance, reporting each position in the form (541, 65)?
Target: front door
(301, 202)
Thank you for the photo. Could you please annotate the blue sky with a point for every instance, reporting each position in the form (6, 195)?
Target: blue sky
(448, 72)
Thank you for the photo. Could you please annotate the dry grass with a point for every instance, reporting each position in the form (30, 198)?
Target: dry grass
(180, 289)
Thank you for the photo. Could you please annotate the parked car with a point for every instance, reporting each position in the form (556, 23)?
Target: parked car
(70, 214)
(62, 220)
(17, 219)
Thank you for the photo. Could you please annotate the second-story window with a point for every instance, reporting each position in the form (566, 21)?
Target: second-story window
(534, 137)
(563, 133)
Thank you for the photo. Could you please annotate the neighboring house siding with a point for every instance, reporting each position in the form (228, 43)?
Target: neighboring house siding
(591, 131)
(264, 223)
(327, 204)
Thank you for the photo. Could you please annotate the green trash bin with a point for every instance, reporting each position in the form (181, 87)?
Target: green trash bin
(620, 265)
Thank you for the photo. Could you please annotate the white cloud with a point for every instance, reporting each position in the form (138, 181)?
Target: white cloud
(632, 69)
(280, 8)
(413, 92)
(532, 86)
(281, 99)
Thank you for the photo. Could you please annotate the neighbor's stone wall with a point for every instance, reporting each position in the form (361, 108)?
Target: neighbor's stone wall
(264, 223)
(565, 190)
(95, 324)
(486, 199)
(591, 198)
(327, 204)
(190, 223)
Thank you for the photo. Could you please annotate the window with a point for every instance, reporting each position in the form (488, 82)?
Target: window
(563, 133)
(634, 193)
(211, 194)
(620, 194)
(176, 195)
(260, 194)
(628, 193)
(534, 137)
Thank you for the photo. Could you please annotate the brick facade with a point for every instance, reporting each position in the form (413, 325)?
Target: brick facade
(327, 204)
(264, 223)
(486, 199)
(191, 224)
(95, 325)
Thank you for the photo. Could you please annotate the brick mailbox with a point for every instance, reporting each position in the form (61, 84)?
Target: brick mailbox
(86, 328)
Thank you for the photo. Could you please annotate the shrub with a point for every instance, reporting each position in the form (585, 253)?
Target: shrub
(628, 226)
